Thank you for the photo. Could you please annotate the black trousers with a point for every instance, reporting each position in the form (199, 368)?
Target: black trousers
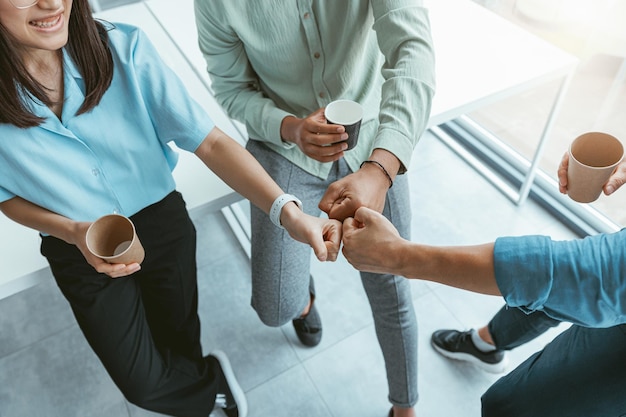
(145, 327)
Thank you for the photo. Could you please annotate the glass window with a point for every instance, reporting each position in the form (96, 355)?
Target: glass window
(593, 30)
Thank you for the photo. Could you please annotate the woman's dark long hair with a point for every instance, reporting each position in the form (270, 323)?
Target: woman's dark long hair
(88, 47)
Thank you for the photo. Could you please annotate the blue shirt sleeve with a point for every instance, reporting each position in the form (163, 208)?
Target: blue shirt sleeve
(176, 116)
(579, 281)
(5, 195)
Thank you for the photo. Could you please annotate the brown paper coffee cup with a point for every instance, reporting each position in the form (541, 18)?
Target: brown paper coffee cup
(114, 239)
(593, 157)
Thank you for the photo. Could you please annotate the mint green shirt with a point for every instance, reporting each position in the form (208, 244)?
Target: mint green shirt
(273, 58)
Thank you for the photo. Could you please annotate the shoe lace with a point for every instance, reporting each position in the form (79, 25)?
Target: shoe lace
(460, 340)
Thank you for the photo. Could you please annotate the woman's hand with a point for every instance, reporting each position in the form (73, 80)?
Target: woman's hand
(72, 232)
(78, 238)
(323, 235)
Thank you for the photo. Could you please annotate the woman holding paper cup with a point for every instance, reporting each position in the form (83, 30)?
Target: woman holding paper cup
(283, 71)
(87, 110)
(582, 372)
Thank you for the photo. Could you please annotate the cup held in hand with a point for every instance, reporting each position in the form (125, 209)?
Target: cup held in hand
(593, 157)
(349, 114)
(114, 239)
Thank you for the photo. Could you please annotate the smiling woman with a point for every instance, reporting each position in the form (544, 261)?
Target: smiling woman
(35, 36)
(87, 112)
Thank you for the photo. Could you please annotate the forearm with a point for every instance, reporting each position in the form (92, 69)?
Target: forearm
(239, 169)
(371, 243)
(35, 217)
(467, 267)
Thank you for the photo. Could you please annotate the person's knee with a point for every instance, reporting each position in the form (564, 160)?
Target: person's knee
(278, 306)
(277, 315)
(271, 320)
(140, 394)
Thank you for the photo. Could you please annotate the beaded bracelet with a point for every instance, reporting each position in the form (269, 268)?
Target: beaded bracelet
(278, 205)
(369, 161)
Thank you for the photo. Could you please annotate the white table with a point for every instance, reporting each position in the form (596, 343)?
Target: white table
(481, 58)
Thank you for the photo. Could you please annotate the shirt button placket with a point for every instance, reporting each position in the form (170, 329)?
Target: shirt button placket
(317, 56)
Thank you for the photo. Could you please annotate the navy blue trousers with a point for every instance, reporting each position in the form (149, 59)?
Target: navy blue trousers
(581, 373)
(511, 327)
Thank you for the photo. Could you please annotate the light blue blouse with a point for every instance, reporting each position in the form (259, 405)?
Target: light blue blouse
(115, 158)
(580, 281)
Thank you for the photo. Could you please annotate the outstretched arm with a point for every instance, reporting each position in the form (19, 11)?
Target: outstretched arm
(371, 243)
(241, 171)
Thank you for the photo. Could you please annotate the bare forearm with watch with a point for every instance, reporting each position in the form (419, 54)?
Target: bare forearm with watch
(241, 171)
(366, 187)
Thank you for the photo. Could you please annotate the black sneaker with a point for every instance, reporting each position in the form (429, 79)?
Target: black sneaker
(458, 345)
(309, 328)
(230, 397)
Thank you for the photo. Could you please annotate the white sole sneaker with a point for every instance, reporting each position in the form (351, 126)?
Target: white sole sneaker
(238, 395)
(493, 368)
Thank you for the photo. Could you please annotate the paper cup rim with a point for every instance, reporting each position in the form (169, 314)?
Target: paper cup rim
(613, 165)
(354, 107)
(132, 225)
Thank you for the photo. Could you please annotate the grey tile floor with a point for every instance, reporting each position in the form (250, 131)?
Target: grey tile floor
(48, 370)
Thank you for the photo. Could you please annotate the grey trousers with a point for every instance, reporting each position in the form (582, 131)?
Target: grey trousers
(281, 279)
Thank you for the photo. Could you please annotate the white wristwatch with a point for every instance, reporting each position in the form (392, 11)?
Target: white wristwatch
(277, 207)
